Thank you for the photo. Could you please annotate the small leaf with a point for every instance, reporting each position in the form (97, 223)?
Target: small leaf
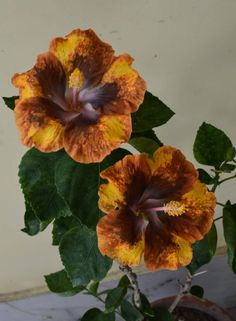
(212, 146)
(228, 168)
(204, 177)
(229, 224)
(62, 225)
(162, 314)
(10, 101)
(152, 113)
(146, 306)
(60, 283)
(94, 287)
(197, 290)
(144, 145)
(231, 153)
(97, 315)
(129, 312)
(124, 282)
(148, 134)
(204, 250)
(114, 298)
(81, 257)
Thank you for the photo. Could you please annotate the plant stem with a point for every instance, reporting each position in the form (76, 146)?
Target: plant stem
(218, 218)
(184, 289)
(100, 299)
(226, 179)
(133, 282)
(221, 204)
(217, 176)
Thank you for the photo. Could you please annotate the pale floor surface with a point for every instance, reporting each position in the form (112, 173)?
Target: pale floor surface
(219, 284)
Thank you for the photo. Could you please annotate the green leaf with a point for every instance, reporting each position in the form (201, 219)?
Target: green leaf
(228, 168)
(78, 184)
(162, 314)
(97, 315)
(197, 290)
(229, 224)
(60, 283)
(231, 153)
(94, 287)
(204, 250)
(204, 177)
(81, 257)
(129, 312)
(36, 174)
(62, 225)
(146, 306)
(152, 113)
(148, 134)
(10, 101)
(114, 298)
(144, 145)
(212, 146)
(124, 282)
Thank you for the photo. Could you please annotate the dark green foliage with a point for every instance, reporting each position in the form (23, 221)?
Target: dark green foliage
(97, 315)
(152, 113)
(204, 250)
(81, 257)
(60, 283)
(10, 101)
(229, 224)
(197, 290)
(212, 146)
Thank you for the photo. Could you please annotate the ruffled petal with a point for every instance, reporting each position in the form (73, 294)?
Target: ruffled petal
(91, 143)
(172, 174)
(169, 252)
(129, 85)
(46, 79)
(83, 50)
(127, 180)
(120, 236)
(39, 122)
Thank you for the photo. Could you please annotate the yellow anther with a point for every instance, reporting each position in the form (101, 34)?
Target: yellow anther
(76, 79)
(174, 208)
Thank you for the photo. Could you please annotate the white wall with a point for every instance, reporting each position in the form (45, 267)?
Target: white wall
(186, 51)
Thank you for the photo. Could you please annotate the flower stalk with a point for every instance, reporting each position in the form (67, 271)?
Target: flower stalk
(133, 282)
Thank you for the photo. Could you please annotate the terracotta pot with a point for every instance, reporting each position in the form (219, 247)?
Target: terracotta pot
(192, 302)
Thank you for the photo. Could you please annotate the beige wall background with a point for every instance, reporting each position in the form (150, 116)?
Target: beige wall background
(186, 51)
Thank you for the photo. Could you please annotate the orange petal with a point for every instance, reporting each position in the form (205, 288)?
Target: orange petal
(200, 205)
(91, 143)
(171, 172)
(170, 252)
(120, 237)
(126, 182)
(130, 86)
(38, 124)
(82, 49)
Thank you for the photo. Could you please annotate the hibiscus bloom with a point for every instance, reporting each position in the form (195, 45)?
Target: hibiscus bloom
(154, 207)
(78, 96)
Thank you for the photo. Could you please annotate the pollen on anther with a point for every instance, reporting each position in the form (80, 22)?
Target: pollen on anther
(174, 208)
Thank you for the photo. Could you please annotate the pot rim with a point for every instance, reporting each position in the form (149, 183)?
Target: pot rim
(190, 301)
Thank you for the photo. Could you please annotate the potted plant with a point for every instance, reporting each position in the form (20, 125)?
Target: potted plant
(75, 108)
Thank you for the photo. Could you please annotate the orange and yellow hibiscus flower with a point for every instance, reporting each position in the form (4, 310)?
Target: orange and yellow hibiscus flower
(154, 207)
(78, 96)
